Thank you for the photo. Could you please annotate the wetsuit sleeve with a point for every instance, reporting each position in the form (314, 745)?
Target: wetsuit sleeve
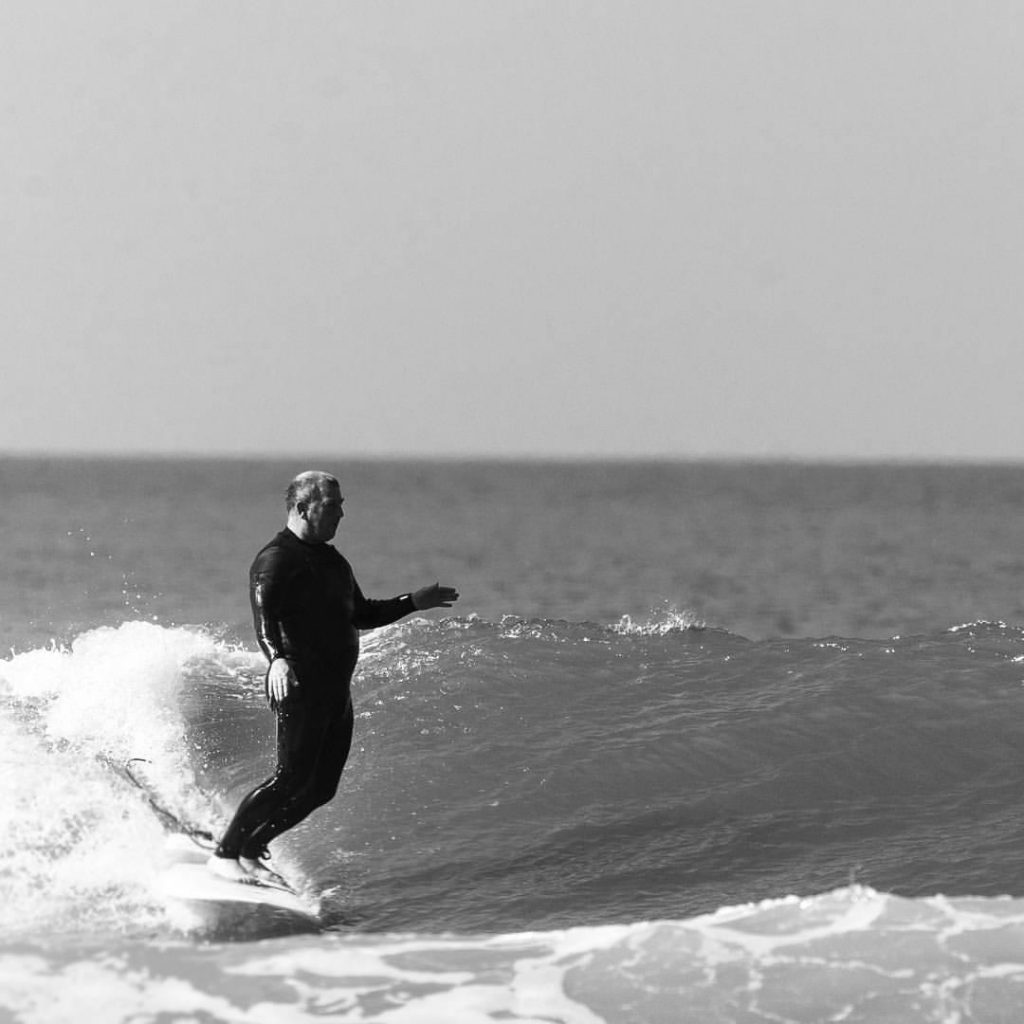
(370, 614)
(268, 584)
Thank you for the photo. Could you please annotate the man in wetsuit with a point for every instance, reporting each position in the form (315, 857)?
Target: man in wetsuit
(307, 609)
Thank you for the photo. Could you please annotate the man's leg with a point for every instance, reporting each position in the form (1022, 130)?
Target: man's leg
(301, 730)
(319, 786)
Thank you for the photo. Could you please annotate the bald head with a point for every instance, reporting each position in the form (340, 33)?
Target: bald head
(314, 506)
(310, 485)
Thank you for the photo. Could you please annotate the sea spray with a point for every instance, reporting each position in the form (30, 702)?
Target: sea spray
(83, 846)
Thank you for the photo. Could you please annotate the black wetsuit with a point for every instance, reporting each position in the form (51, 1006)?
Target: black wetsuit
(308, 609)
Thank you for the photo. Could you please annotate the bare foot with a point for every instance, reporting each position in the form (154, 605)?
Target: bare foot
(261, 873)
(232, 870)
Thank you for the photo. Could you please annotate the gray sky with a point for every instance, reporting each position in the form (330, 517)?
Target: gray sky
(649, 227)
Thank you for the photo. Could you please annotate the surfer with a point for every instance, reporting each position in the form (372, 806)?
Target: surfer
(307, 610)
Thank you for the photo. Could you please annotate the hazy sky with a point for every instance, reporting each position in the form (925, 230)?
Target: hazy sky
(497, 227)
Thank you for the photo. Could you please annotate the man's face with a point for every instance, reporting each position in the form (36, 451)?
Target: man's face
(324, 513)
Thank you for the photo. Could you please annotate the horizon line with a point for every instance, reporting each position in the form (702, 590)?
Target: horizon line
(740, 458)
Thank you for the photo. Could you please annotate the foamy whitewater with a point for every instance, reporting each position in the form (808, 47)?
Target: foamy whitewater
(629, 814)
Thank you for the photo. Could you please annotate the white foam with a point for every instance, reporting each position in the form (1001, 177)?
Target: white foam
(78, 851)
(81, 848)
(661, 622)
(849, 954)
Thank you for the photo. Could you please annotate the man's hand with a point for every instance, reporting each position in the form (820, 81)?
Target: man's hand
(434, 596)
(280, 680)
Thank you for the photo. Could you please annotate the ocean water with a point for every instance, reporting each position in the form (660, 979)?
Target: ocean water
(700, 742)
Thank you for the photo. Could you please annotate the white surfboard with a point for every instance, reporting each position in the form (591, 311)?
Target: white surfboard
(193, 892)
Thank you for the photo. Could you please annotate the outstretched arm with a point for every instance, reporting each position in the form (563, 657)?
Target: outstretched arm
(371, 614)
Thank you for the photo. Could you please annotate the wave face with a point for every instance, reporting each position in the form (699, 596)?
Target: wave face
(530, 774)
(542, 821)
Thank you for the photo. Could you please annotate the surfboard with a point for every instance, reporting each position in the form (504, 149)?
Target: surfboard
(197, 898)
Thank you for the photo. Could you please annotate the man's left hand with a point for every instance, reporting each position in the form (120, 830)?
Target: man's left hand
(434, 596)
